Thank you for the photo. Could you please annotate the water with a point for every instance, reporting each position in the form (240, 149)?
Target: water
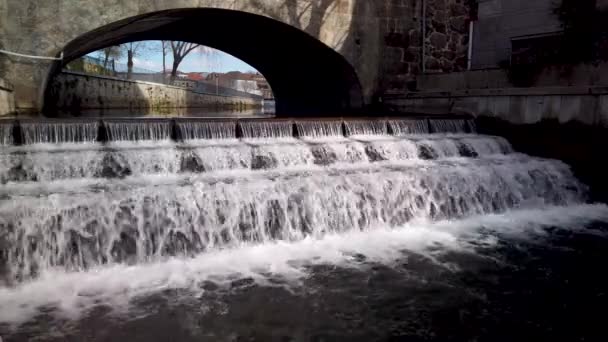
(370, 237)
(451, 126)
(192, 130)
(319, 129)
(404, 127)
(6, 134)
(138, 131)
(366, 127)
(266, 129)
(60, 132)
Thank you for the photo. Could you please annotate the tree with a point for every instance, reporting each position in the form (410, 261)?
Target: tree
(113, 52)
(132, 49)
(180, 51)
(165, 45)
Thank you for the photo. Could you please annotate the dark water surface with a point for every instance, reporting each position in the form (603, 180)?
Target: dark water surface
(534, 288)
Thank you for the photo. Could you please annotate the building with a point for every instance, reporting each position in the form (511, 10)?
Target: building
(502, 24)
(517, 31)
(252, 83)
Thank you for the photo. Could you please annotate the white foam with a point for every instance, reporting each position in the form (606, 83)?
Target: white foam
(74, 293)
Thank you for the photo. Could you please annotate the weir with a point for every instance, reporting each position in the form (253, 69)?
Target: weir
(164, 188)
(106, 130)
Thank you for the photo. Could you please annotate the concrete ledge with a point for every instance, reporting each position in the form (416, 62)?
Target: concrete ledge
(550, 76)
(536, 91)
(587, 105)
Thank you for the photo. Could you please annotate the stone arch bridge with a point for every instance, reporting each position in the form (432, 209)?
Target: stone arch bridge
(318, 55)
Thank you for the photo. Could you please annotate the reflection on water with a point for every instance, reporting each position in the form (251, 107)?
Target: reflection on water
(268, 110)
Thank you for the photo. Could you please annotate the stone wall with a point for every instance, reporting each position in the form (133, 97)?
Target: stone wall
(7, 102)
(382, 40)
(445, 44)
(74, 92)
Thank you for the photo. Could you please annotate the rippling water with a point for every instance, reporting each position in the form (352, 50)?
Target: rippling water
(364, 237)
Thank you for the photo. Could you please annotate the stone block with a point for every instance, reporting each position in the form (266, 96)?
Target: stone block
(500, 105)
(533, 111)
(570, 108)
(432, 64)
(459, 24)
(603, 110)
(438, 40)
(517, 107)
(552, 107)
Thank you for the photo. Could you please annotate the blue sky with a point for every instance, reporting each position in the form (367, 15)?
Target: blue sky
(205, 59)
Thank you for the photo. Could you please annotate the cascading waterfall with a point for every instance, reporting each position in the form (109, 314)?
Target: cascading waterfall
(405, 127)
(6, 134)
(266, 129)
(366, 127)
(448, 125)
(138, 130)
(59, 132)
(318, 129)
(78, 208)
(196, 130)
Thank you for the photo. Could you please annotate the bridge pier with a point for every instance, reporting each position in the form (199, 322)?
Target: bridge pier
(28, 79)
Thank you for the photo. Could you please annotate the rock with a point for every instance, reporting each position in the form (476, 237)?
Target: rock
(440, 16)
(397, 39)
(439, 27)
(240, 283)
(412, 55)
(432, 63)
(373, 154)
(323, 156)
(459, 24)
(466, 151)
(415, 38)
(449, 55)
(192, 163)
(457, 10)
(426, 153)
(114, 166)
(176, 243)
(19, 173)
(438, 40)
(447, 65)
(263, 162)
(125, 249)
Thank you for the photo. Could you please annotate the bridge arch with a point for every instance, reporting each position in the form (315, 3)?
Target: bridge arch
(306, 75)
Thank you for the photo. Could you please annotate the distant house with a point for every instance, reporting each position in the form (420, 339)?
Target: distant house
(197, 76)
(245, 82)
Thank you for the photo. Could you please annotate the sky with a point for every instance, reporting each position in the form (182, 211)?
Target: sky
(204, 59)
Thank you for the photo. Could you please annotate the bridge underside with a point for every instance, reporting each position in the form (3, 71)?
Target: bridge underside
(307, 76)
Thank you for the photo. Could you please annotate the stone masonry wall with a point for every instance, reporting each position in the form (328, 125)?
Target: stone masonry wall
(74, 91)
(446, 42)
